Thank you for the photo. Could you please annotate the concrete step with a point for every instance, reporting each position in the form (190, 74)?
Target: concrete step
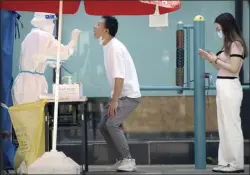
(146, 152)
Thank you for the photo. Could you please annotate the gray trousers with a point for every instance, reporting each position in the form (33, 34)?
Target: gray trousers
(111, 130)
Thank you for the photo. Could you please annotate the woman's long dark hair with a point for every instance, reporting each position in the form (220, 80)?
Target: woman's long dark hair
(231, 32)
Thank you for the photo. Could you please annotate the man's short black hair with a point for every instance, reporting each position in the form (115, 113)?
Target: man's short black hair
(111, 23)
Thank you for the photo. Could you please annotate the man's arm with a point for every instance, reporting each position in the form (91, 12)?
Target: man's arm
(118, 74)
(117, 88)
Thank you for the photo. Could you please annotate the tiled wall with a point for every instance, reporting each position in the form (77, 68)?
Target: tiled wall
(169, 114)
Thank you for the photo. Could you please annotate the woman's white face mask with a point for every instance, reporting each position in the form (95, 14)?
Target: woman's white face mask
(220, 34)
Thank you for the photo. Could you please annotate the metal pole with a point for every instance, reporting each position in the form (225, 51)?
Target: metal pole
(178, 88)
(180, 25)
(164, 88)
(239, 19)
(1, 83)
(56, 37)
(199, 94)
(188, 56)
(188, 29)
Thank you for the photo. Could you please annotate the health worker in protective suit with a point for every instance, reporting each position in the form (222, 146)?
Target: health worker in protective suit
(37, 49)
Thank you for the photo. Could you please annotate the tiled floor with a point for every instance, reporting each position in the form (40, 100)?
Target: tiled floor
(155, 169)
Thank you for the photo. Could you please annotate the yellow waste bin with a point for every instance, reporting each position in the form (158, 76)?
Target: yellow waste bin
(29, 125)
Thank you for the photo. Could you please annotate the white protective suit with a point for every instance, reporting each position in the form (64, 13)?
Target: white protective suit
(38, 46)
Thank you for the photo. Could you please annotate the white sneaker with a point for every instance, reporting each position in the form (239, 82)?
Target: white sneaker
(127, 165)
(231, 169)
(115, 166)
(218, 168)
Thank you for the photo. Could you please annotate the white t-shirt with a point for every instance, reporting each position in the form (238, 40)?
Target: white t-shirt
(119, 64)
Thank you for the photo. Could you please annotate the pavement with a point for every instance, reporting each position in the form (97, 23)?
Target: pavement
(159, 169)
(154, 170)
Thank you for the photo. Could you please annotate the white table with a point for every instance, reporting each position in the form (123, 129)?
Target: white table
(83, 103)
(67, 100)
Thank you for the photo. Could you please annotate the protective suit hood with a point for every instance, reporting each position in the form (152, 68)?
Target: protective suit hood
(44, 21)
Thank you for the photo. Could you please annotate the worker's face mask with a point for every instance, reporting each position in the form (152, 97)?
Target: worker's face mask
(49, 28)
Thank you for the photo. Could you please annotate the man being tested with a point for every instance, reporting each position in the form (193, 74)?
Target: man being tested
(125, 94)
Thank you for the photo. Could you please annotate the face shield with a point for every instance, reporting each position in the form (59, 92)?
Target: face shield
(44, 21)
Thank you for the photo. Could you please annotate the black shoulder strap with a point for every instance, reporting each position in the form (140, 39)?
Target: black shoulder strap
(237, 55)
(218, 53)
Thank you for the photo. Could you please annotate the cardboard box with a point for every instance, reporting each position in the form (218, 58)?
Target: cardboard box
(70, 91)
